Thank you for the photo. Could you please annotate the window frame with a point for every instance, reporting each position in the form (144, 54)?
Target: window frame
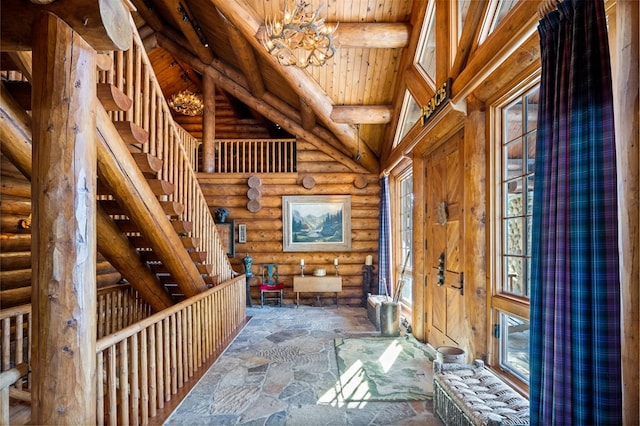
(500, 302)
(398, 257)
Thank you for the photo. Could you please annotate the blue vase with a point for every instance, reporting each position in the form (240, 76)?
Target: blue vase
(247, 263)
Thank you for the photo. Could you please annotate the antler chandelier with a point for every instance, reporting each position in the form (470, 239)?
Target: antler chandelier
(187, 103)
(300, 38)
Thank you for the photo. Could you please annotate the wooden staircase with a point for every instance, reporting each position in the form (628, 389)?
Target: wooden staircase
(154, 231)
(135, 137)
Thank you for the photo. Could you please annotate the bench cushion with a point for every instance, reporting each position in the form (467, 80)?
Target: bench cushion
(473, 395)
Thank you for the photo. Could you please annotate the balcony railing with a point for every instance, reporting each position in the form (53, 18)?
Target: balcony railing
(255, 156)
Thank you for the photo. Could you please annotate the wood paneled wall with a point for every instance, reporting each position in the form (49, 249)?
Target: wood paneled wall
(264, 227)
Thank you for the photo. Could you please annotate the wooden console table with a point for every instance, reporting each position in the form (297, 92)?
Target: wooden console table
(313, 284)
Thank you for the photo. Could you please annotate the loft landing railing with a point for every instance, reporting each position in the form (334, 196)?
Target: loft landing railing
(131, 72)
(255, 156)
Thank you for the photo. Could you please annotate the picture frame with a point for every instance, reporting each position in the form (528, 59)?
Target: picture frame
(226, 231)
(242, 233)
(316, 223)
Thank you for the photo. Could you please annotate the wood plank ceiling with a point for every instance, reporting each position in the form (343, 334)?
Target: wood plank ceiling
(348, 103)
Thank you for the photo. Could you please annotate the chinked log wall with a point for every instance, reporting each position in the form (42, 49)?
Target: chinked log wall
(264, 227)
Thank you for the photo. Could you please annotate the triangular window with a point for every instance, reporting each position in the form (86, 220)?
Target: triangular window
(409, 115)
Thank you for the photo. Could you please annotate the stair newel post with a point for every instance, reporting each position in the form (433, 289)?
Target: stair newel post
(64, 231)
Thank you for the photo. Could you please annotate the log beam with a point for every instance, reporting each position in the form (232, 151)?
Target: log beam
(362, 114)
(64, 226)
(475, 242)
(372, 35)
(627, 129)
(187, 23)
(247, 59)
(307, 116)
(104, 24)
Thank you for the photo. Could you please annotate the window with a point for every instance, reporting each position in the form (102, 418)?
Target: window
(427, 58)
(403, 261)
(496, 12)
(514, 345)
(515, 138)
(409, 116)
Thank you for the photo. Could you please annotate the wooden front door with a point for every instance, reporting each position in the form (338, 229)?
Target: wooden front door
(444, 234)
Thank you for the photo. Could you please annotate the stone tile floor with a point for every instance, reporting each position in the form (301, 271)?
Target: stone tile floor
(281, 370)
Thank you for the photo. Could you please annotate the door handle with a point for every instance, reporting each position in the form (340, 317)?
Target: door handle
(460, 284)
(441, 270)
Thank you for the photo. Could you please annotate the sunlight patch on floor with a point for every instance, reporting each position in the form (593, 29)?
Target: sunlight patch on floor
(389, 356)
(355, 387)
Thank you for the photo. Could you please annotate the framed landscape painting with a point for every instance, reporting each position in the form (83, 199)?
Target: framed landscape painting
(316, 223)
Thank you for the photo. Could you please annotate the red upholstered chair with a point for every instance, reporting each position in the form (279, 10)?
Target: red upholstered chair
(271, 284)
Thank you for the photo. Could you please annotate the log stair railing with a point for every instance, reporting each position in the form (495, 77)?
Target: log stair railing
(149, 165)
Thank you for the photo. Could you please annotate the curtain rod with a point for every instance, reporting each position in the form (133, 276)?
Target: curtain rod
(546, 7)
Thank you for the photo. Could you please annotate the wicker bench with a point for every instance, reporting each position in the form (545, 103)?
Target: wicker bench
(473, 395)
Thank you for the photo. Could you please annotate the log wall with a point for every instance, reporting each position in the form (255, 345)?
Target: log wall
(264, 227)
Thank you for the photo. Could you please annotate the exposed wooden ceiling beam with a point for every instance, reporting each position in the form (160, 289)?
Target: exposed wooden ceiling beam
(148, 15)
(104, 25)
(282, 114)
(372, 35)
(362, 114)
(247, 59)
(367, 35)
(24, 62)
(249, 23)
(187, 24)
(307, 115)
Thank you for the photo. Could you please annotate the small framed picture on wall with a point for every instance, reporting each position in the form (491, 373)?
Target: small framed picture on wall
(242, 233)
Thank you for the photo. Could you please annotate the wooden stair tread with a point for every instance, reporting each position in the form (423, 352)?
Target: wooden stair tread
(172, 208)
(190, 242)
(205, 268)
(147, 163)
(112, 98)
(182, 226)
(161, 187)
(131, 133)
(198, 256)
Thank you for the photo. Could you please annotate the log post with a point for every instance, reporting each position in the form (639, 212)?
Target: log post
(419, 230)
(627, 124)
(208, 123)
(475, 229)
(64, 231)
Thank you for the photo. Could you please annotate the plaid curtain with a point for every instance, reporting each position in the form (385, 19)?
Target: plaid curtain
(575, 357)
(384, 239)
